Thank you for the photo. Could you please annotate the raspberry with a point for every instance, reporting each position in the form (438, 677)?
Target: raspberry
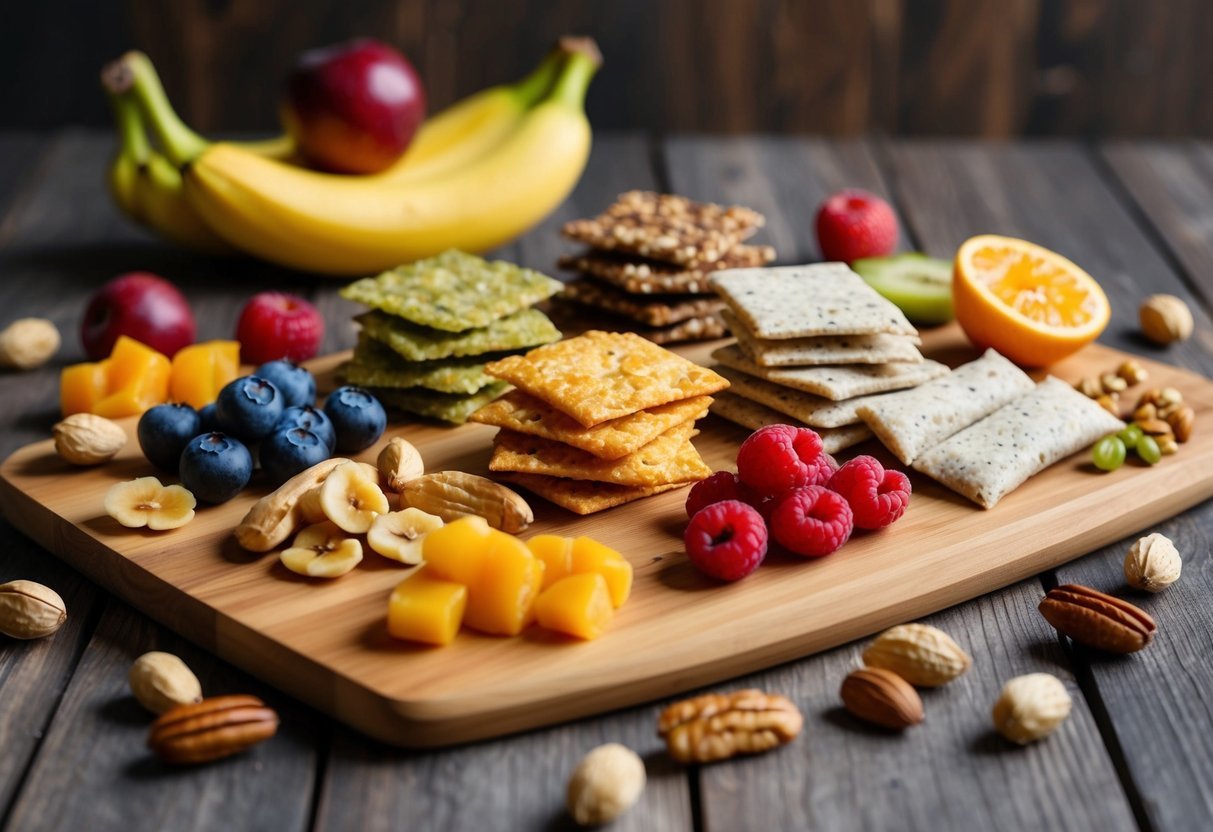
(853, 224)
(726, 540)
(778, 458)
(877, 497)
(812, 521)
(274, 325)
(722, 485)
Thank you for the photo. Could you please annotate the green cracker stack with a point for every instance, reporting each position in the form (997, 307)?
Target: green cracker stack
(433, 324)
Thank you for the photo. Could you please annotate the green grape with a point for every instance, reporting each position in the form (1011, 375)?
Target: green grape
(1147, 449)
(1109, 453)
(1131, 435)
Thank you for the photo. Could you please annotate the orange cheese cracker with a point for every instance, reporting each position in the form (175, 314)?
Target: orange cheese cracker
(583, 496)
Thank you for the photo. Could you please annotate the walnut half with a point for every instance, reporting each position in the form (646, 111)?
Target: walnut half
(717, 726)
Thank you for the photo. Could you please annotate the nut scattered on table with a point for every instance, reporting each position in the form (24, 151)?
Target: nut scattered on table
(87, 439)
(882, 698)
(399, 462)
(1031, 707)
(1165, 319)
(1132, 372)
(30, 610)
(1153, 563)
(27, 343)
(162, 681)
(1097, 620)
(212, 729)
(717, 726)
(455, 494)
(922, 655)
(606, 783)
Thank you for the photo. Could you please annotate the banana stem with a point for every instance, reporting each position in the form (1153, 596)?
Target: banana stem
(581, 63)
(181, 144)
(534, 87)
(132, 140)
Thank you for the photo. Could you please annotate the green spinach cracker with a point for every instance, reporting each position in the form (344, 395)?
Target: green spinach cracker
(528, 328)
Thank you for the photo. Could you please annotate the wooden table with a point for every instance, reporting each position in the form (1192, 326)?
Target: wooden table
(1137, 752)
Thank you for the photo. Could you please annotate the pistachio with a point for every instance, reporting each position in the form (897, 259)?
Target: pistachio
(1165, 319)
(1112, 383)
(161, 682)
(86, 439)
(1031, 707)
(1132, 372)
(1153, 563)
(30, 610)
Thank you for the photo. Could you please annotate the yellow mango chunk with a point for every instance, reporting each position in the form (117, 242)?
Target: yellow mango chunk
(501, 596)
(589, 555)
(426, 609)
(200, 371)
(130, 361)
(577, 605)
(81, 386)
(556, 552)
(456, 551)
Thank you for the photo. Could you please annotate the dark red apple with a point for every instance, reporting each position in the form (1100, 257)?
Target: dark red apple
(353, 107)
(140, 305)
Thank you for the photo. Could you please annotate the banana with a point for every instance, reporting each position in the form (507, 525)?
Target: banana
(145, 502)
(398, 535)
(351, 498)
(322, 551)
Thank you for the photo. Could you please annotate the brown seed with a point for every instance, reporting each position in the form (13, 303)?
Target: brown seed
(1181, 420)
(212, 729)
(881, 697)
(1097, 620)
(1132, 372)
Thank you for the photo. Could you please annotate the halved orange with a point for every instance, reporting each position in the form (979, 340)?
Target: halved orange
(1031, 304)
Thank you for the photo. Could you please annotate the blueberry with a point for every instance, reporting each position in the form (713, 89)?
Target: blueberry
(215, 467)
(248, 408)
(357, 417)
(287, 452)
(164, 431)
(208, 418)
(309, 418)
(297, 385)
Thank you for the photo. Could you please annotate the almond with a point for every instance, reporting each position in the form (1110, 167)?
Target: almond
(881, 697)
(1097, 620)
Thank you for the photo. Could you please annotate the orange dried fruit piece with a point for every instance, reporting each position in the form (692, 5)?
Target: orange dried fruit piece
(577, 605)
(81, 386)
(502, 594)
(200, 371)
(457, 550)
(426, 609)
(563, 556)
(137, 380)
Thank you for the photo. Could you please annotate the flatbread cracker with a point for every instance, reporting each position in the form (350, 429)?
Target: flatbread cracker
(824, 349)
(651, 311)
(836, 382)
(446, 407)
(617, 438)
(667, 459)
(378, 365)
(652, 277)
(528, 328)
(453, 291)
(993, 457)
(667, 227)
(814, 411)
(804, 301)
(752, 415)
(911, 421)
(583, 496)
(600, 376)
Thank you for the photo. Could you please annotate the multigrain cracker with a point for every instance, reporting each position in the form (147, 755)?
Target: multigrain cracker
(583, 496)
(814, 411)
(650, 311)
(604, 375)
(652, 277)
(692, 329)
(522, 413)
(836, 382)
(993, 457)
(667, 227)
(453, 291)
(377, 365)
(669, 458)
(909, 422)
(528, 328)
(447, 407)
(804, 301)
(752, 415)
(824, 349)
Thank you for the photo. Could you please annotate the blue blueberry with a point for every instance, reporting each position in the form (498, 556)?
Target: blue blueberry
(357, 416)
(309, 418)
(164, 431)
(290, 451)
(215, 467)
(208, 418)
(249, 407)
(297, 385)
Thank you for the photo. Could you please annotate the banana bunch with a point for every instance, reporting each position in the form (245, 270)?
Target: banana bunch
(476, 176)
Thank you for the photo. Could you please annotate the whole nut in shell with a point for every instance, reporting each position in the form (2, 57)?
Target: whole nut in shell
(161, 682)
(30, 610)
(922, 655)
(1153, 563)
(606, 783)
(1097, 620)
(212, 729)
(28, 343)
(399, 462)
(1165, 319)
(717, 726)
(881, 697)
(1182, 419)
(86, 439)
(1031, 707)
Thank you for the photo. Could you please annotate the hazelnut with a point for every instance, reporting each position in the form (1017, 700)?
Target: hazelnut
(1165, 319)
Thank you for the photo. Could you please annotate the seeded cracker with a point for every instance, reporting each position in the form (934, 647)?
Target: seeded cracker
(528, 328)
(518, 412)
(377, 365)
(583, 496)
(836, 382)
(651, 311)
(453, 291)
(824, 349)
(604, 375)
(804, 301)
(667, 227)
(752, 415)
(909, 422)
(652, 277)
(993, 457)
(814, 411)
(444, 406)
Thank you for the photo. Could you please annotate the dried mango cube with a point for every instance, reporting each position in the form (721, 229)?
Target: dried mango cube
(502, 595)
(457, 550)
(200, 371)
(577, 605)
(426, 609)
(589, 555)
(556, 552)
(81, 386)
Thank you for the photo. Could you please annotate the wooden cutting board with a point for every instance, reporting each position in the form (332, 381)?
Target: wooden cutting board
(327, 643)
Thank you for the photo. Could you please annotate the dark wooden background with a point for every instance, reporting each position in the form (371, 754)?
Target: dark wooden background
(992, 68)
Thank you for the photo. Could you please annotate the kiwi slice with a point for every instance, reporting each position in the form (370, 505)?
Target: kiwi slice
(919, 285)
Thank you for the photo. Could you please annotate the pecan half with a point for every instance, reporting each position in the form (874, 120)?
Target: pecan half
(212, 729)
(717, 726)
(1097, 620)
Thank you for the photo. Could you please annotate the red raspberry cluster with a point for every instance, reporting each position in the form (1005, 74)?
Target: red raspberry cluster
(788, 487)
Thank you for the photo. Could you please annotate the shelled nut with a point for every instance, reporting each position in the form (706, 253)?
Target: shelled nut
(1097, 620)
(30, 610)
(922, 655)
(1182, 420)
(1132, 372)
(1031, 707)
(162, 681)
(1089, 387)
(212, 729)
(1153, 563)
(1110, 403)
(605, 784)
(1112, 383)
(881, 697)
(717, 726)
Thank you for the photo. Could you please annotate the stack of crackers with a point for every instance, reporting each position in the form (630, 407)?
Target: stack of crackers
(599, 420)
(814, 343)
(435, 323)
(649, 258)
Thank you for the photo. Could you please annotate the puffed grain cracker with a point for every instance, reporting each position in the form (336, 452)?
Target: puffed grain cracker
(583, 496)
(837, 382)
(752, 415)
(652, 277)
